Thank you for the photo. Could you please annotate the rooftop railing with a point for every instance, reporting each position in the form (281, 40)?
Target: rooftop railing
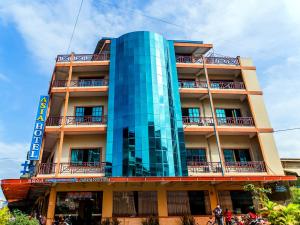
(208, 60)
(72, 168)
(235, 121)
(83, 57)
(192, 84)
(198, 121)
(227, 85)
(76, 120)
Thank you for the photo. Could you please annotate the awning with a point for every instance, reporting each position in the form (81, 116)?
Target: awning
(20, 189)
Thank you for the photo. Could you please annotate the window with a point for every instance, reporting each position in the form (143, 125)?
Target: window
(188, 202)
(135, 203)
(92, 155)
(195, 156)
(241, 201)
(192, 114)
(237, 155)
(89, 114)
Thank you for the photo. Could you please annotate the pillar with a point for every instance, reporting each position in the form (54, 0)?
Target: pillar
(51, 206)
(107, 204)
(162, 203)
(213, 195)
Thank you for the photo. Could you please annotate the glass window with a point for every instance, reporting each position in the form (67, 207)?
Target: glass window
(188, 202)
(193, 114)
(241, 201)
(89, 114)
(237, 155)
(229, 155)
(85, 155)
(135, 203)
(195, 156)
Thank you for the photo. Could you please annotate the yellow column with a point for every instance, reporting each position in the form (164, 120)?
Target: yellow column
(213, 195)
(51, 206)
(162, 203)
(107, 205)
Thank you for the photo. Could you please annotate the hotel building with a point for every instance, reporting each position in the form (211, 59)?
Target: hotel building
(148, 126)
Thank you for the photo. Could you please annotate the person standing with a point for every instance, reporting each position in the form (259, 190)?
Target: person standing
(218, 215)
(228, 216)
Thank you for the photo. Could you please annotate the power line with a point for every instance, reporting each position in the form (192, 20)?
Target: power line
(143, 14)
(288, 129)
(75, 26)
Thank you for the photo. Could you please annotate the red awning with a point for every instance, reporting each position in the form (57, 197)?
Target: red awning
(18, 189)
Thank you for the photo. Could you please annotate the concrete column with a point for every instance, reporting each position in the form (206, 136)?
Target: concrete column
(51, 206)
(162, 203)
(213, 195)
(107, 204)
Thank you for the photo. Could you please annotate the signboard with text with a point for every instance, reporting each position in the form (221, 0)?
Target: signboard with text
(38, 131)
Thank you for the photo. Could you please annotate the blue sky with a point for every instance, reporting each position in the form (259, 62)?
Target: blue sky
(32, 33)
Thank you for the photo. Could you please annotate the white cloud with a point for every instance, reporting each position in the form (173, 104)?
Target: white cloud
(4, 78)
(265, 30)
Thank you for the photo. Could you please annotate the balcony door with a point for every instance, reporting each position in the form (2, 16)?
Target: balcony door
(85, 156)
(237, 155)
(191, 115)
(89, 114)
(225, 116)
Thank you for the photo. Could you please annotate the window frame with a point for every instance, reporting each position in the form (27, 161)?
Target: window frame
(234, 156)
(198, 148)
(85, 148)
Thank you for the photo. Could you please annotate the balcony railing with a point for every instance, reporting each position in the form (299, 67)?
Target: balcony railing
(72, 168)
(208, 60)
(198, 121)
(81, 83)
(204, 167)
(226, 85)
(245, 167)
(83, 57)
(235, 121)
(192, 84)
(76, 120)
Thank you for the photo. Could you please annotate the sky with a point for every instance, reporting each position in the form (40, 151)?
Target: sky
(33, 32)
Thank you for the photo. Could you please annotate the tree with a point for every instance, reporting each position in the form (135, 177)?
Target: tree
(19, 218)
(4, 216)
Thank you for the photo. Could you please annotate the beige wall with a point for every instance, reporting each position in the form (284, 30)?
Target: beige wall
(246, 62)
(250, 80)
(270, 153)
(85, 101)
(260, 114)
(203, 105)
(84, 141)
(233, 104)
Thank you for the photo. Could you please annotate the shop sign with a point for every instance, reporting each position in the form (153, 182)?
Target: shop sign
(38, 131)
(69, 180)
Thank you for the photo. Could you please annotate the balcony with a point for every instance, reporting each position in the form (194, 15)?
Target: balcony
(196, 168)
(198, 121)
(208, 60)
(71, 168)
(81, 83)
(192, 84)
(83, 57)
(235, 121)
(226, 85)
(76, 120)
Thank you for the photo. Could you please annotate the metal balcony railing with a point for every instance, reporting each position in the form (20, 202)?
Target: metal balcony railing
(245, 167)
(76, 120)
(72, 168)
(83, 57)
(81, 83)
(226, 85)
(192, 84)
(235, 121)
(204, 167)
(208, 60)
(198, 121)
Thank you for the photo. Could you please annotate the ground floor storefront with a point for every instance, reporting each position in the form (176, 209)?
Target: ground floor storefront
(132, 202)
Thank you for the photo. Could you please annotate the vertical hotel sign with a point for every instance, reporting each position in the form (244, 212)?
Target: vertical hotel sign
(38, 131)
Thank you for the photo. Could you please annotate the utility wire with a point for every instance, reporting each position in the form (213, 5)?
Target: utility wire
(71, 39)
(288, 129)
(143, 14)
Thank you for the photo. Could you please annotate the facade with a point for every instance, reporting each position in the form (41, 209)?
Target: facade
(148, 126)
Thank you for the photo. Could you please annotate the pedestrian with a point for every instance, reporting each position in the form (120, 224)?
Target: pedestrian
(228, 216)
(218, 215)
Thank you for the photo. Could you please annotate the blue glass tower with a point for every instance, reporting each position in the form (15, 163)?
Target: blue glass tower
(145, 134)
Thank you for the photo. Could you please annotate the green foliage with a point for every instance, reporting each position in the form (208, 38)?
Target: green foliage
(152, 220)
(4, 216)
(295, 194)
(277, 214)
(19, 218)
(188, 220)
